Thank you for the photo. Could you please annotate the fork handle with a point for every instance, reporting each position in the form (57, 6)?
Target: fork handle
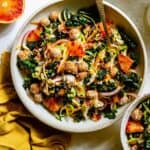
(100, 7)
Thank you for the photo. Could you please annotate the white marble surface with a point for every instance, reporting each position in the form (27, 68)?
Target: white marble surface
(108, 139)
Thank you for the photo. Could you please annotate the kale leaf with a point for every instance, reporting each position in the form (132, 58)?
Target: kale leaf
(110, 114)
(51, 69)
(132, 81)
(101, 74)
(32, 45)
(128, 40)
(106, 86)
(28, 64)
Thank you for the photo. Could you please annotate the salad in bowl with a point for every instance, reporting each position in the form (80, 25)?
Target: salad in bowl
(68, 75)
(69, 68)
(135, 131)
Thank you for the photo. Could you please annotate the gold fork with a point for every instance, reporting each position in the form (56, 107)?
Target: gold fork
(100, 7)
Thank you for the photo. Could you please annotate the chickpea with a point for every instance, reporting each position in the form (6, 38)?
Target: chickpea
(69, 79)
(52, 52)
(82, 66)
(45, 21)
(54, 15)
(134, 147)
(71, 67)
(74, 34)
(137, 114)
(91, 94)
(82, 75)
(55, 53)
(24, 54)
(35, 88)
(124, 100)
(38, 98)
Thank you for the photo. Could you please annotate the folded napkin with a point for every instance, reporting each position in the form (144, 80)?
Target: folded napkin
(19, 130)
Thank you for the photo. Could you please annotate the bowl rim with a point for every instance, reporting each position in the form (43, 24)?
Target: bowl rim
(126, 118)
(52, 124)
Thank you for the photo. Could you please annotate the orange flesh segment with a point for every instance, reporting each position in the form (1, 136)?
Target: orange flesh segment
(10, 9)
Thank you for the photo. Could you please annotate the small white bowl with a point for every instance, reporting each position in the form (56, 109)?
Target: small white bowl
(125, 119)
(40, 112)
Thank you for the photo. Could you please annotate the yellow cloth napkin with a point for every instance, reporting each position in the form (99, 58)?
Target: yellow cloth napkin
(19, 130)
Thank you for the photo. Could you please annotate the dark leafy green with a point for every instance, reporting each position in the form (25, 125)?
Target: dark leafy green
(87, 79)
(128, 40)
(60, 35)
(81, 18)
(107, 57)
(134, 56)
(132, 81)
(28, 81)
(51, 68)
(28, 64)
(106, 86)
(32, 45)
(55, 24)
(78, 116)
(101, 74)
(144, 136)
(110, 115)
(92, 11)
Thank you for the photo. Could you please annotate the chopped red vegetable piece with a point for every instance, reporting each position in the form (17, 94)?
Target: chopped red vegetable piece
(34, 35)
(133, 127)
(125, 63)
(75, 49)
(52, 104)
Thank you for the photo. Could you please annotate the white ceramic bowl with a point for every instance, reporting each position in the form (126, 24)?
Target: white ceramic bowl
(125, 119)
(40, 112)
